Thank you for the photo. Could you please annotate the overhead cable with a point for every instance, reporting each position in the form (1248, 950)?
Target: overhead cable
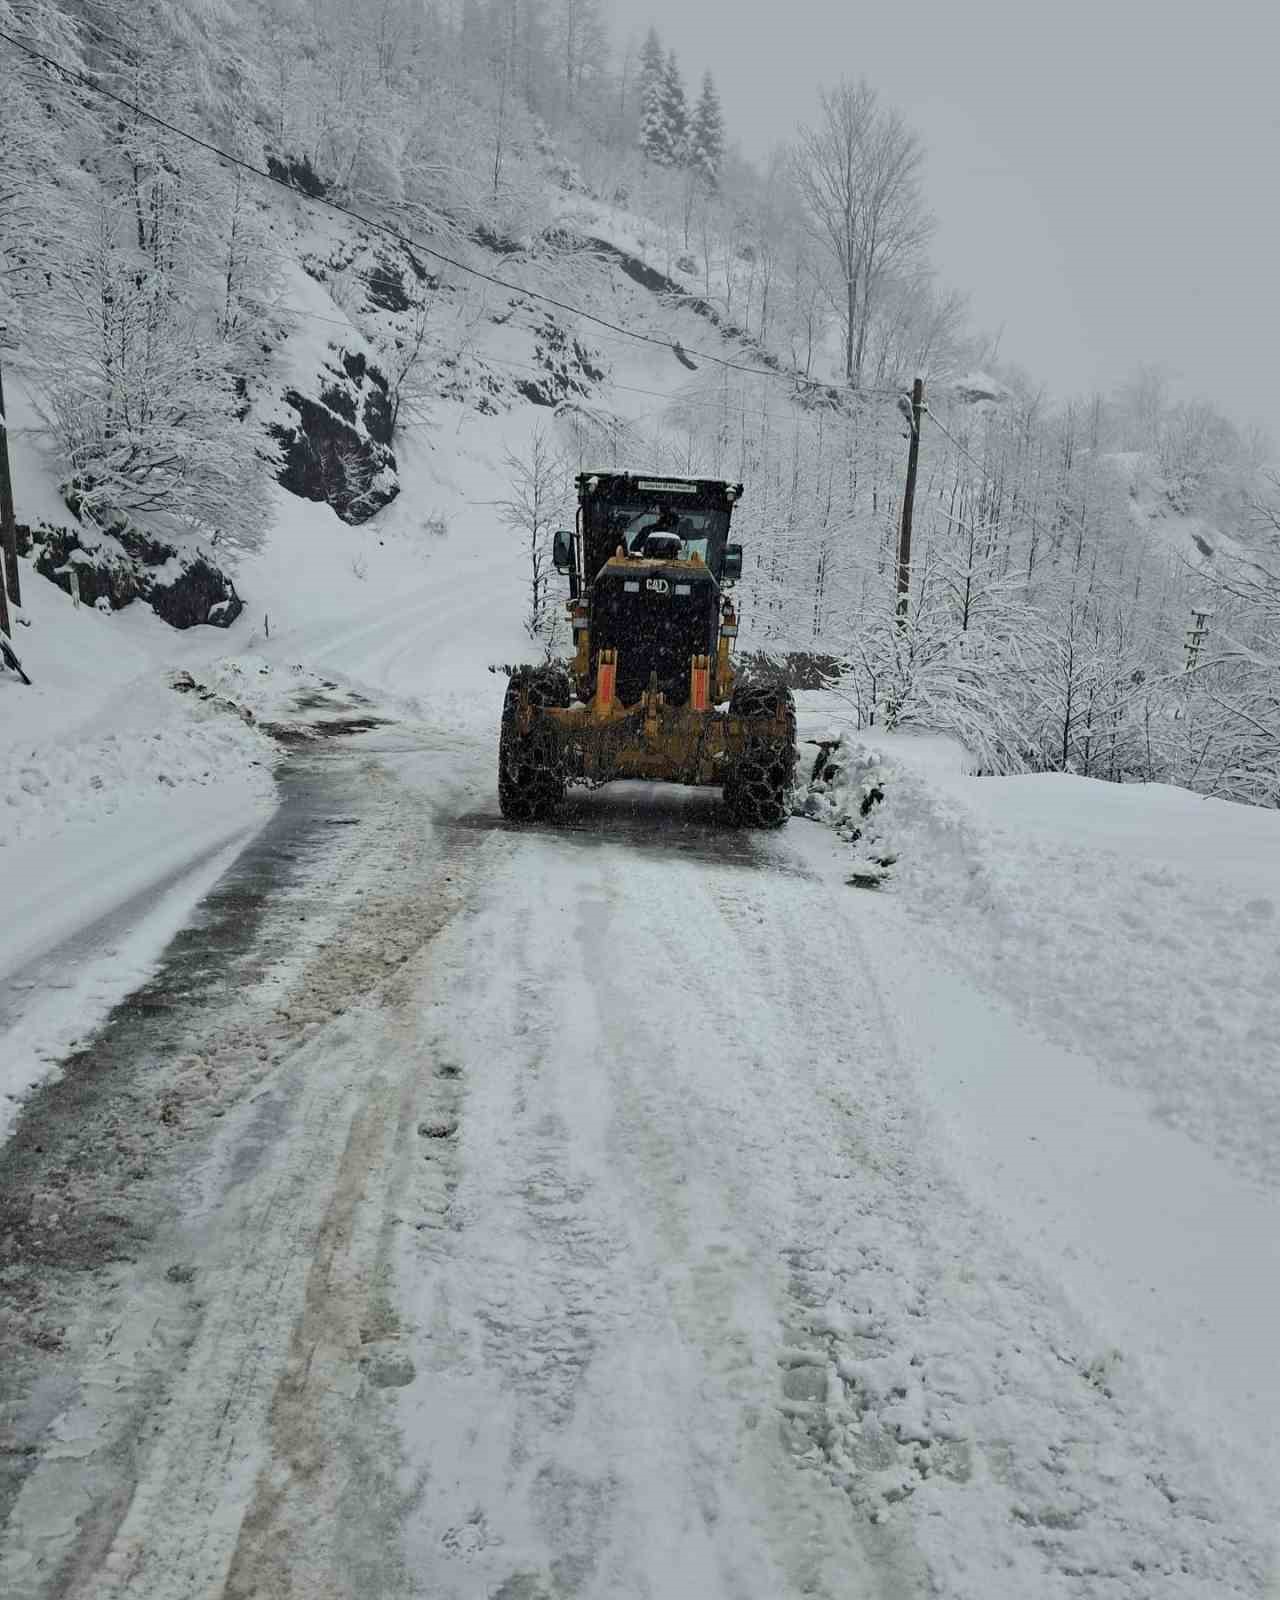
(74, 75)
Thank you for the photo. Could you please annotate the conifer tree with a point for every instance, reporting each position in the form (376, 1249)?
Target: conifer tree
(677, 113)
(706, 136)
(654, 140)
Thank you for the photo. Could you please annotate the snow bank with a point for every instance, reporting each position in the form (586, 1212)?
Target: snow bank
(1136, 923)
(1139, 925)
(100, 729)
(1088, 976)
(121, 802)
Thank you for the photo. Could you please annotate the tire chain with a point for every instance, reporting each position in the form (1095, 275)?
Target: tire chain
(757, 785)
(531, 765)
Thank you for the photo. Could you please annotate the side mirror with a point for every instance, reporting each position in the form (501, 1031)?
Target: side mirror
(562, 550)
(731, 567)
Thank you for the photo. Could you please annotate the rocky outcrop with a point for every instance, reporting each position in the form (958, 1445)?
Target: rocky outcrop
(339, 448)
(798, 669)
(185, 588)
(568, 368)
(659, 283)
(299, 174)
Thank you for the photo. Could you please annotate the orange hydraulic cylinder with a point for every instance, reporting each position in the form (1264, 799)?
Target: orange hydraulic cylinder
(700, 684)
(606, 679)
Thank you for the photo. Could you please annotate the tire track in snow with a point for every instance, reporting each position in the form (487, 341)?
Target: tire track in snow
(208, 1422)
(597, 1420)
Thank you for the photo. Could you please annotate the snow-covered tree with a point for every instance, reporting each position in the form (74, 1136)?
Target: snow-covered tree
(135, 358)
(676, 112)
(655, 135)
(40, 185)
(1234, 686)
(706, 134)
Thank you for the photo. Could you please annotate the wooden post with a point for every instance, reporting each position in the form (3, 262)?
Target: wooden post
(908, 502)
(8, 525)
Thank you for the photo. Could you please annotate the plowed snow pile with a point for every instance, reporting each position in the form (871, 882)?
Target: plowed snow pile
(1133, 934)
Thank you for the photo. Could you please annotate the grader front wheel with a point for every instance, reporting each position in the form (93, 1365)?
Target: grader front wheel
(531, 766)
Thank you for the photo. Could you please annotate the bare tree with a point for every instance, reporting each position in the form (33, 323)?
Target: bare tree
(534, 511)
(858, 172)
(1239, 675)
(407, 359)
(505, 67)
(582, 40)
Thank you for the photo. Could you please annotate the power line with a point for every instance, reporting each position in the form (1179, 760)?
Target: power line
(484, 358)
(1109, 585)
(973, 461)
(74, 75)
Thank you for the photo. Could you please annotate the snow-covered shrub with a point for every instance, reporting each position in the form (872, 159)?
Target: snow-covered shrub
(842, 786)
(846, 788)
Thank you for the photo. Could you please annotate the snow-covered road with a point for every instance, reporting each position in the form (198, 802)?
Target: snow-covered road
(558, 1212)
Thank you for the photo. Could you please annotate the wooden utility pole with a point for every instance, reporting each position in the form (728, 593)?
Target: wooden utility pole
(8, 526)
(909, 500)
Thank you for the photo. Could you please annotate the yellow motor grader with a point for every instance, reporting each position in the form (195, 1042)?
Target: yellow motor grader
(649, 564)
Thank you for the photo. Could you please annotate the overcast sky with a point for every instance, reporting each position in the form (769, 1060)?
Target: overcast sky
(1105, 173)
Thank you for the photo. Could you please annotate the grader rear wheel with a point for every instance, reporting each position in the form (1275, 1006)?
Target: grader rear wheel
(531, 765)
(757, 786)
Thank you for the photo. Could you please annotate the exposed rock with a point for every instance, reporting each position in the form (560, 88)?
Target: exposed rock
(339, 450)
(299, 174)
(103, 571)
(339, 400)
(498, 243)
(638, 271)
(570, 368)
(658, 283)
(385, 285)
(978, 388)
(183, 587)
(198, 593)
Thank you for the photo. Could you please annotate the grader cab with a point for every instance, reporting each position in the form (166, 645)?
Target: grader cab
(649, 564)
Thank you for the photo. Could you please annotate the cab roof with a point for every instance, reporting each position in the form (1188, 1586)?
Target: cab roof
(631, 485)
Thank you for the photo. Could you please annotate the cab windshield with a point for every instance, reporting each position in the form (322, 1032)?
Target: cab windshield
(702, 530)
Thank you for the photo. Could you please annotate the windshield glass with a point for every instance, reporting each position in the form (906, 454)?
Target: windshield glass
(702, 530)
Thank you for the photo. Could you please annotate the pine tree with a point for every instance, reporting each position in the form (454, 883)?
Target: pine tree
(706, 137)
(655, 140)
(677, 113)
